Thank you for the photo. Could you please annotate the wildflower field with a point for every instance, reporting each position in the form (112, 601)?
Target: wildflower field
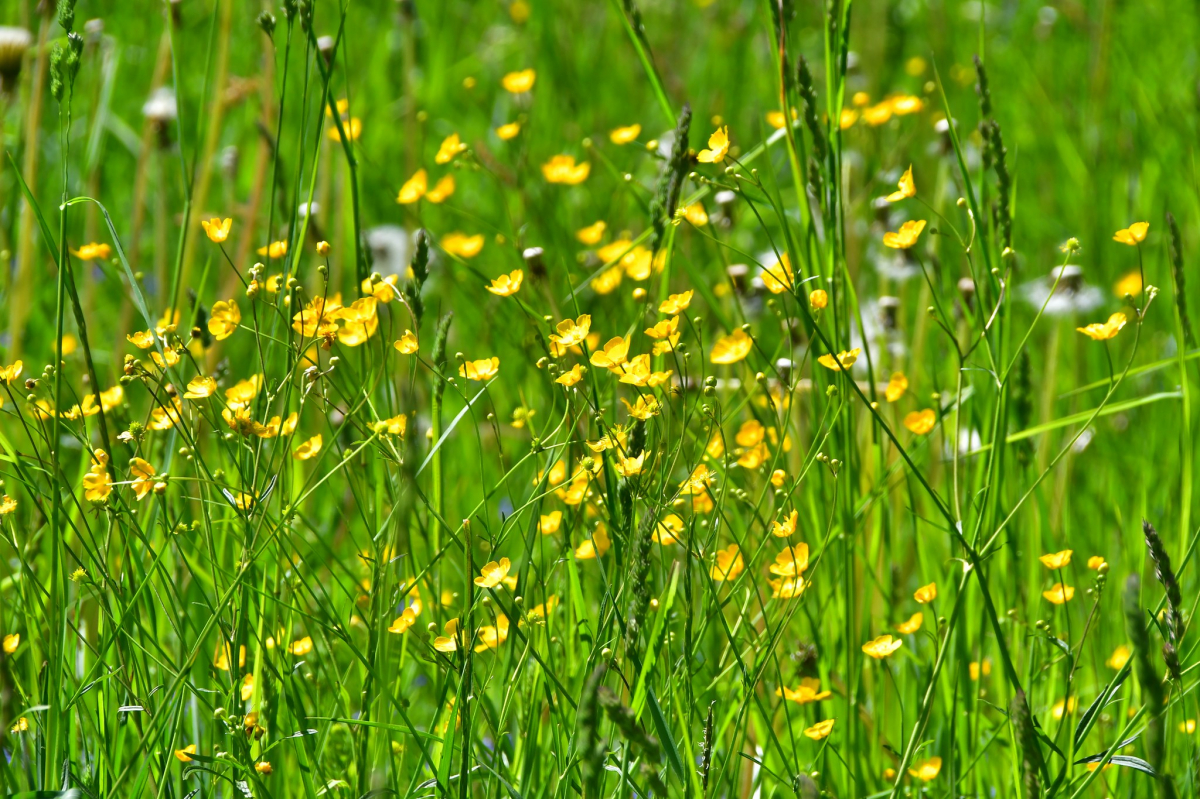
(519, 398)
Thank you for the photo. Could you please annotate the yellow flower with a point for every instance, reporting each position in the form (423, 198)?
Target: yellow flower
(217, 229)
(406, 344)
(143, 339)
(1103, 331)
(449, 641)
(787, 527)
(913, 624)
(1119, 657)
(10, 373)
(644, 408)
(563, 169)
(976, 669)
(779, 278)
(352, 126)
(818, 299)
(926, 594)
(1187, 727)
(882, 647)
(301, 646)
(263, 767)
(549, 523)
(1095, 562)
(451, 146)
(491, 637)
(696, 214)
(11, 642)
(718, 147)
(225, 318)
(1056, 560)
(625, 135)
(728, 564)
(906, 188)
(787, 587)
(777, 119)
(896, 387)
(507, 285)
(22, 725)
(808, 691)
(628, 467)
(483, 369)
(732, 348)
(493, 573)
(517, 82)
(184, 755)
(906, 236)
(572, 333)
(612, 354)
(200, 387)
(903, 104)
(1130, 285)
(921, 422)
(847, 119)
(309, 449)
(404, 621)
(97, 484)
(1063, 707)
(877, 114)
(414, 188)
(462, 245)
(669, 530)
(842, 362)
(926, 770)
(676, 303)
(791, 562)
(820, 730)
(396, 426)
(443, 189)
(1059, 594)
(595, 546)
(508, 131)
(7, 505)
(571, 377)
(276, 249)
(142, 473)
(591, 234)
(1133, 235)
(92, 252)
(242, 393)
(540, 612)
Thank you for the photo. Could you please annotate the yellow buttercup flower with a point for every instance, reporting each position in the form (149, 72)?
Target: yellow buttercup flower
(877, 114)
(644, 408)
(921, 422)
(912, 624)
(224, 319)
(507, 285)
(395, 426)
(718, 147)
(563, 169)
(462, 245)
(975, 669)
(570, 377)
(443, 189)
(612, 354)
(184, 755)
(906, 236)
(414, 188)
(491, 637)
(777, 119)
(669, 530)
(309, 448)
(448, 641)
(787, 527)
(1056, 560)
(200, 387)
(217, 229)
(820, 730)
(595, 546)
(142, 473)
(406, 344)
(301, 646)
(508, 131)
(451, 146)
(818, 299)
(10, 373)
(882, 647)
(728, 564)
(1095, 562)
(493, 573)
(570, 333)
(592, 234)
(903, 104)
(926, 770)
(7, 505)
(97, 484)
(92, 252)
(791, 562)
(842, 362)
(778, 278)
(1059, 594)
(629, 467)
(1130, 284)
(676, 303)
(926, 594)
(548, 523)
(276, 249)
(1119, 657)
(483, 369)
(1063, 707)
(625, 135)
(1103, 331)
(11, 642)
(808, 691)
(731, 348)
(21, 725)
(907, 188)
(518, 82)
(540, 612)
(896, 387)
(1133, 235)
(847, 119)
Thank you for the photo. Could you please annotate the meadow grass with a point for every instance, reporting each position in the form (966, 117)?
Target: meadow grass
(531, 399)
